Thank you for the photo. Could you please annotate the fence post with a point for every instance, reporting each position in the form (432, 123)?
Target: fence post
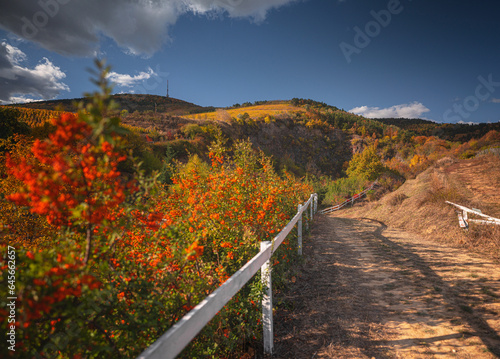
(307, 219)
(267, 303)
(299, 230)
(311, 206)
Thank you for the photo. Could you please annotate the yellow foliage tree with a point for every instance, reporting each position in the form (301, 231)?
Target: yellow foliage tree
(366, 164)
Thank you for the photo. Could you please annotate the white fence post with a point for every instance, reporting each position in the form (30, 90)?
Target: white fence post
(306, 219)
(311, 205)
(267, 303)
(299, 230)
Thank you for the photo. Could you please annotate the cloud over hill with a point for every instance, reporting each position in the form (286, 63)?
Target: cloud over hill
(410, 110)
(20, 82)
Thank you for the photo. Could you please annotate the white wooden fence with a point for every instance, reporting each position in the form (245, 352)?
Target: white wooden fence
(463, 219)
(172, 342)
(350, 200)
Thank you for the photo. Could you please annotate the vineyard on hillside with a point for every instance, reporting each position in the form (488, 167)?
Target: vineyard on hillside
(35, 117)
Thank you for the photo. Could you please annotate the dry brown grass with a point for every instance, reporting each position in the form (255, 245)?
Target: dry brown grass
(397, 199)
(486, 237)
(442, 188)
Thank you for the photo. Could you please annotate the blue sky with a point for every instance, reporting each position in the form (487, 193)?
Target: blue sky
(438, 60)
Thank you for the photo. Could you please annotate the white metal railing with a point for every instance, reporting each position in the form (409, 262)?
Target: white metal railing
(172, 342)
(350, 200)
(463, 219)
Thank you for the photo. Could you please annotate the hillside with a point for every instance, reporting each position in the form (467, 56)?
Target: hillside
(129, 102)
(461, 132)
(150, 106)
(419, 204)
(286, 133)
(304, 136)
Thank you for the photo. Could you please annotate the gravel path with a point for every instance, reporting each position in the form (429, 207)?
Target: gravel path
(366, 291)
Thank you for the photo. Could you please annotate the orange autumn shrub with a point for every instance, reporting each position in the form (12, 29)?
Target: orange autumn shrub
(236, 202)
(98, 287)
(125, 258)
(224, 210)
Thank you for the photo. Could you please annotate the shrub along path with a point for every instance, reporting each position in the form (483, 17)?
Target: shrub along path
(366, 291)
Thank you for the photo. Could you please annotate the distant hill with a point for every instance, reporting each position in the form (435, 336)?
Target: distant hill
(146, 105)
(460, 132)
(302, 135)
(129, 102)
(295, 138)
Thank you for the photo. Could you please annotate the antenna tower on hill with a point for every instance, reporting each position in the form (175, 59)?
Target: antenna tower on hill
(167, 90)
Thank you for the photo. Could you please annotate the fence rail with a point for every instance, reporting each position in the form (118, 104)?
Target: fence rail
(463, 219)
(346, 202)
(172, 342)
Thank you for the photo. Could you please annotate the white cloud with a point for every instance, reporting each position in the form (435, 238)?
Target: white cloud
(21, 99)
(126, 80)
(495, 100)
(411, 110)
(74, 27)
(18, 83)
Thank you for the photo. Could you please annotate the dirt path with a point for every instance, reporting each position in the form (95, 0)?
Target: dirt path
(366, 291)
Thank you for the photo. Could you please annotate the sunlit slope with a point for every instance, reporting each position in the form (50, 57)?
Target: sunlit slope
(258, 111)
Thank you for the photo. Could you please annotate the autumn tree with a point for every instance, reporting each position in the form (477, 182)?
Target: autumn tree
(366, 164)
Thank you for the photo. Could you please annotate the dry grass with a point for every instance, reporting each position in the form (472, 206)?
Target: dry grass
(484, 236)
(397, 199)
(442, 188)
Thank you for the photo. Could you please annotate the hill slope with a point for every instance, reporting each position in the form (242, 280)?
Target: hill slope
(285, 133)
(129, 102)
(304, 136)
(419, 204)
(461, 132)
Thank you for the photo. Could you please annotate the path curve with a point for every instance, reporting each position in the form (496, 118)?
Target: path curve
(366, 291)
